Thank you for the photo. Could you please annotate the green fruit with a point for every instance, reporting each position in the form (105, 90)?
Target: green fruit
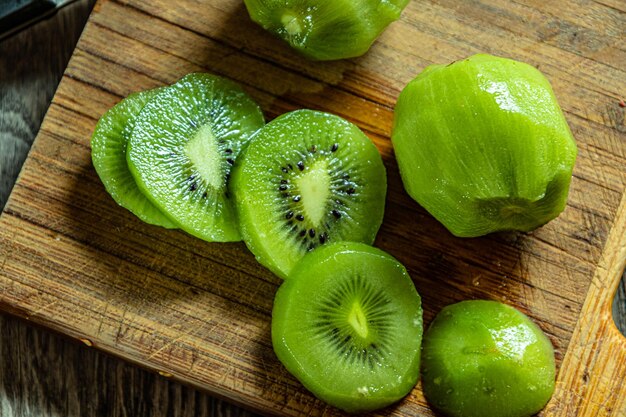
(482, 145)
(306, 179)
(486, 359)
(348, 325)
(182, 149)
(326, 29)
(108, 153)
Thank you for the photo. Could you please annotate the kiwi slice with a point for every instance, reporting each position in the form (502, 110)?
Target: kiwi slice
(486, 359)
(183, 147)
(306, 179)
(348, 325)
(326, 29)
(108, 153)
(482, 144)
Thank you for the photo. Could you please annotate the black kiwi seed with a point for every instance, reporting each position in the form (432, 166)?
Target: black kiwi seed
(205, 194)
(300, 217)
(312, 232)
(193, 186)
(289, 215)
(230, 161)
(335, 147)
(282, 187)
(302, 233)
(300, 165)
(336, 213)
(297, 198)
(228, 150)
(323, 238)
(284, 181)
(285, 170)
(350, 191)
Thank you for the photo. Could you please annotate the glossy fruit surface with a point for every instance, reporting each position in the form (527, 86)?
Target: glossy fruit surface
(348, 325)
(305, 180)
(482, 145)
(108, 153)
(326, 29)
(182, 149)
(486, 359)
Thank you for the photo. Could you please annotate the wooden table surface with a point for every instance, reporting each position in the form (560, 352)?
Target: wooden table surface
(42, 373)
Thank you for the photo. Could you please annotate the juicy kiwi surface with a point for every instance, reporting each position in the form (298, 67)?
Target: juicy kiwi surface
(326, 29)
(182, 149)
(108, 153)
(348, 325)
(486, 359)
(482, 144)
(307, 179)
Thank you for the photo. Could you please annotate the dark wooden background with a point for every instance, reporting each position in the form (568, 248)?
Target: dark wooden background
(46, 374)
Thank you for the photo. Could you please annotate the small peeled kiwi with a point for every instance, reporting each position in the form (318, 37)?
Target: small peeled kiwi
(108, 153)
(486, 359)
(348, 324)
(307, 179)
(482, 145)
(326, 29)
(182, 149)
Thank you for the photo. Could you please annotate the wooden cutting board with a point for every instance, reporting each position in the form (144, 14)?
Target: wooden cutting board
(74, 261)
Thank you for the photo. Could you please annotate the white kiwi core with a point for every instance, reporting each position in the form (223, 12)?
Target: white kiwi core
(358, 321)
(291, 24)
(204, 153)
(314, 187)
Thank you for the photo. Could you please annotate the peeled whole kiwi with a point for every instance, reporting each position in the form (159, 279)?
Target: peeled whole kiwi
(483, 145)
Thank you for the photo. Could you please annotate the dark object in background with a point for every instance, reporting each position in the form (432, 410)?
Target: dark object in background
(18, 14)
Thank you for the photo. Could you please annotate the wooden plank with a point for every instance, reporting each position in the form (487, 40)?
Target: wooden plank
(73, 260)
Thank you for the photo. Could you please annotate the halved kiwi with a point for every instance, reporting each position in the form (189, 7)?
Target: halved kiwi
(306, 179)
(183, 147)
(486, 359)
(348, 325)
(108, 153)
(326, 29)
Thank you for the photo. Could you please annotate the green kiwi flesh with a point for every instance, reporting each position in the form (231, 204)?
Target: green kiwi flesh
(486, 359)
(108, 153)
(307, 179)
(326, 29)
(182, 149)
(348, 325)
(483, 145)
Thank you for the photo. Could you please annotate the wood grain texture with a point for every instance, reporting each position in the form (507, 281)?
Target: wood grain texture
(43, 374)
(74, 261)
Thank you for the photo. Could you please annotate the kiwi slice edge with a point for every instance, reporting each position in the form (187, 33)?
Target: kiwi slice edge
(108, 152)
(306, 179)
(183, 147)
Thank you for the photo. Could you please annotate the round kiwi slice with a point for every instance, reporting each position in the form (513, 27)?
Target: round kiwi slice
(306, 179)
(348, 325)
(108, 153)
(183, 147)
(486, 359)
(482, 145)
(326, 29)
